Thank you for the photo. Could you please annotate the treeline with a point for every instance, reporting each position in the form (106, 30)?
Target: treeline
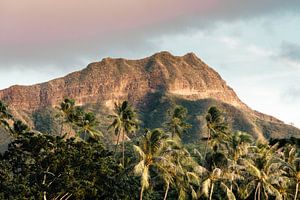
(143, 164)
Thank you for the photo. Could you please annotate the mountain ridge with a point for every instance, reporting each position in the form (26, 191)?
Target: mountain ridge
(8, 92)
(115, 79)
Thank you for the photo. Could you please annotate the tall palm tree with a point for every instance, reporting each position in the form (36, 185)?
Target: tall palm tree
(216, 127)
(88, 124)
(213, 177)
(187, 183)
(238, 148)
(187, 178)
(292, 166)
(4, 116)
(124, 122)
(167, 172)
(238, 144)
(152, 155)
(263, 175)
(177, 124)
(67, 108)
(216, 174)
(116, 126)
(19, 128)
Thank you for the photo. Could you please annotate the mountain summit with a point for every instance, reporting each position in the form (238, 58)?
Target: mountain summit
(119, 79)
(153, 85)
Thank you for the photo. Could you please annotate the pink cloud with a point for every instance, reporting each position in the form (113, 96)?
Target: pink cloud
(39, 22)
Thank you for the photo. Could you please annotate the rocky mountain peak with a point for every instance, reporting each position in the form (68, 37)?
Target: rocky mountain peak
(116, 79)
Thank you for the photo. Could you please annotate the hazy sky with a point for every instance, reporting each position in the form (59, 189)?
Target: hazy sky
(254, 45)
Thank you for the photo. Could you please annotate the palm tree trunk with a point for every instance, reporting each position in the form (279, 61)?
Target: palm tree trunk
(206, 144)
(116, 146)
(141, 194)
(296, 193)
(167, 190)
(44, 196)
(44, 183)
(84, 135)
(256, 190)
(123, 149)
(231, 179)
(231, 183)
(211, 191)
(259, 195)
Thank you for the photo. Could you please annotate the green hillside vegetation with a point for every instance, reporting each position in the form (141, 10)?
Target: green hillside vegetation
(155, 113)
(158, 155)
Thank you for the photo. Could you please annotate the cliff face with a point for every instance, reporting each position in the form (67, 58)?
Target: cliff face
(112, 80)
(119, 79)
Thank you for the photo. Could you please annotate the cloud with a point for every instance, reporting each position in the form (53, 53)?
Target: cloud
(65, 35)
(290, 51)
(231, 42)
(291, 95)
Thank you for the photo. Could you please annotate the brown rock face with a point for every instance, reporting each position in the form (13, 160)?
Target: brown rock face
(118, 79)
(112, 80)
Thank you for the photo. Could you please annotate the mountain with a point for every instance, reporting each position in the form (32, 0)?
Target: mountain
(153, 84)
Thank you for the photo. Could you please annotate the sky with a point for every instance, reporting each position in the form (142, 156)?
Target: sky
(254, 45)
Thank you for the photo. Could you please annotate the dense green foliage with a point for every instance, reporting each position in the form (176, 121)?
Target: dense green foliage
(36, 165)
(153, 113)
(154, 165)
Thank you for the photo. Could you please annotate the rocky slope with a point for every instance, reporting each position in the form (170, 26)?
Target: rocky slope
(158, 78)
(117, 79)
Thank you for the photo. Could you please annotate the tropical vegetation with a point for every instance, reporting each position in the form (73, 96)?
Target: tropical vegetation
(142, 163)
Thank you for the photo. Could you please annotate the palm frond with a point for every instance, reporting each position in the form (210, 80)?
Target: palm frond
(253, 170)
(194, 193)
(247, 190)
(229, 193)
(139, 151)
(138, 169)
(145, 177)
(182, 194)
(273, 191)
(206, 185)
(193, 178)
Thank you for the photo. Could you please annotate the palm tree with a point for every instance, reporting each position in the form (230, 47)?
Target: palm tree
(116, 126)
(67, 108)
(238, 144)
(292, 166)
(263, 175)
(216, 176)
(19, 128)
(168, 178)
(216, 126)
(88, 124)
(125, 122)
(152, 155)
(187, 183)
(4, 116)
(216, 173)
(177, 124)
(187, 178)
(238, 148)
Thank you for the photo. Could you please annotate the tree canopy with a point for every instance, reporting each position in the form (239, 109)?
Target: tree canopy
(228, 165)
